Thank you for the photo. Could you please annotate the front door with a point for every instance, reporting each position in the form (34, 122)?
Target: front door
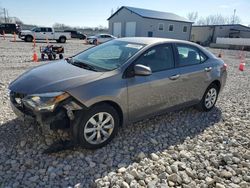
(39, 33)
(150, 94)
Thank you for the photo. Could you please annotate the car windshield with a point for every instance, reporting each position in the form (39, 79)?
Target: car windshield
(34, 29)
(108, 56)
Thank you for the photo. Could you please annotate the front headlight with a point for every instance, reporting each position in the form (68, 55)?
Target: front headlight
(45, 101)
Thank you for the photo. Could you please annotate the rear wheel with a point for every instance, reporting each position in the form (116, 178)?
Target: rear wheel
(62, 39)
(209, 98)
(54, 56)
(50, 56)
(42, 56)
(60, 56)
(96, 127)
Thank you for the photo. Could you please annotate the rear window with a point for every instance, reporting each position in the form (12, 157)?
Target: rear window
(189, 55)
(49, 30)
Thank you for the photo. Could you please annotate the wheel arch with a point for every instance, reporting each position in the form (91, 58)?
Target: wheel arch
(29, 35)
(115, 106)
(217, 83)
(62, 36)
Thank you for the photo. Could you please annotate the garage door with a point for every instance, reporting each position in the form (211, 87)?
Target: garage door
(117, 29)
(130, 29)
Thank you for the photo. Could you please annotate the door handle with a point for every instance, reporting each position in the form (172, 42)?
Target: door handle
(175, 77)
(208, 69)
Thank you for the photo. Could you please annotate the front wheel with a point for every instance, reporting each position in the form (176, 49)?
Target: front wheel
(28, 38)
(96, 127)
(209, 99)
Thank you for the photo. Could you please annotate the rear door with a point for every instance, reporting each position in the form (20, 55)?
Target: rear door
(2, 27)
(7, 28)
(49, 34)
(194, 72)
(150, 94)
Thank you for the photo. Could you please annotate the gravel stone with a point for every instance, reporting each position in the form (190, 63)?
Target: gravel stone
(125, 184)
(226, 174)
(141, 155)
(175, 178)
(219, 185)
(154, 157)
(209, 180)
(122, 170)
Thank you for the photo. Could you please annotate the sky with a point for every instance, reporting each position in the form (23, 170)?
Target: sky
(95, 12)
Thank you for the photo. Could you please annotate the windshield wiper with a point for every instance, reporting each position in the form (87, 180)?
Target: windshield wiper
(81, 64)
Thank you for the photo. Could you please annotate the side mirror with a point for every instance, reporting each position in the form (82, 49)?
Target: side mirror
(142, 70)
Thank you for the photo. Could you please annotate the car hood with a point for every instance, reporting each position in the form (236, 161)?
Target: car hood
(92, 37)
(25, 31)
(52, 77)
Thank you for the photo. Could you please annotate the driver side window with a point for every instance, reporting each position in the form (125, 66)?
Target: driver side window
(38, 30)
(158, 58)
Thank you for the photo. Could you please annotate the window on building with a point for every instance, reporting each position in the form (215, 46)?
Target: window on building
(171, 27)
(185, 29)
(161, 27)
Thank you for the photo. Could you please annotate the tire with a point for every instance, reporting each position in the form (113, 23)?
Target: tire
(95, 42)
(213, 91)
(60, 56)
(42, 56)
(28, 38)
(50, 57)
(62, 39)
(83, 124)
(54, 56)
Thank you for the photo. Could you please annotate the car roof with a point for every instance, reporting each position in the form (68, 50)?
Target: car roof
(154, 40)
(104, 34)
(151, 40)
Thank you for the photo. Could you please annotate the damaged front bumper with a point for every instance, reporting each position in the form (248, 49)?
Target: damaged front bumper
(58, 118)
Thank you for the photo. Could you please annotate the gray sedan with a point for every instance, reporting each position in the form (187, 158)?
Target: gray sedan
(124, 80)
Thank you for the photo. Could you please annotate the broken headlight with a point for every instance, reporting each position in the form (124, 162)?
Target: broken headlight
(44, 101)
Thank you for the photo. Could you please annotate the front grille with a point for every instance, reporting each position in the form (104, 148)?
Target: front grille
(16, 99)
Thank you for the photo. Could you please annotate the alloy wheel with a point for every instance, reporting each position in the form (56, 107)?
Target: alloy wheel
(99, 128)
(210, 98)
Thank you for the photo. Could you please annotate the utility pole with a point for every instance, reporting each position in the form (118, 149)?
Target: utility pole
(4, 12)
(234, 15)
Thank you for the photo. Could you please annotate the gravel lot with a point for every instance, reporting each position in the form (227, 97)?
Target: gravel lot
(185, 149)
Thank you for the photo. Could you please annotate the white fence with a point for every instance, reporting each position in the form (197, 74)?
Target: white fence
(233, 41)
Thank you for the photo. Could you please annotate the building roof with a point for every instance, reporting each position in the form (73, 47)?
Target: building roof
(228, 25)
(146, 13)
